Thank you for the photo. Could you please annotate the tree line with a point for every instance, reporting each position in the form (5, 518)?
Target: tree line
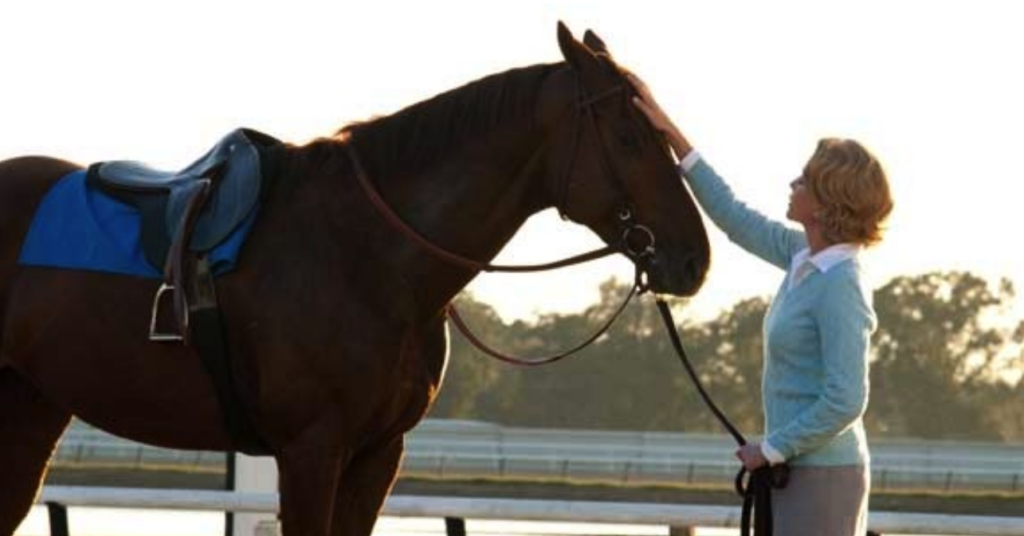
(946, 364)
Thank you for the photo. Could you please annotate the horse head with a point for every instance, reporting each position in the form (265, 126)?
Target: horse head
(615, 173)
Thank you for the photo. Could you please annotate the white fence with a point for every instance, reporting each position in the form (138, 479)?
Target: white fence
(512, 509)
(443, 449)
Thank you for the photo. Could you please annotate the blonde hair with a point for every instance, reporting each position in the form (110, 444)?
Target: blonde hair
(851, 186)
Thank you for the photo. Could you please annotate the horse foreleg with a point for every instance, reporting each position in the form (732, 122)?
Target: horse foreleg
(364, 487)
(308, 472)
(30, 426)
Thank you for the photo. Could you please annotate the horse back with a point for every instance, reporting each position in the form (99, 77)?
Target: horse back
(23, 183)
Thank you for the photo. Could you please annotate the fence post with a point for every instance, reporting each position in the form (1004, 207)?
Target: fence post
(682, 531)
(58, 519)
(455, 526)
(230, 477)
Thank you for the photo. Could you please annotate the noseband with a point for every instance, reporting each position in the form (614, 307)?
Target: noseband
(636, 241)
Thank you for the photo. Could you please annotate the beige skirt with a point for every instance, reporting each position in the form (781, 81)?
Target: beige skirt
(822, 501)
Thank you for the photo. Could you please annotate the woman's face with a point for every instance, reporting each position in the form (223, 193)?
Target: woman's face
(802, 204)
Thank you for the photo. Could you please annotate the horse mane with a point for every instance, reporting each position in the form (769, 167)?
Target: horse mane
(418, 136)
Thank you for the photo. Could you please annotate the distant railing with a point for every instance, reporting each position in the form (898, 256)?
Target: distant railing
(682, 518)
(456, 449)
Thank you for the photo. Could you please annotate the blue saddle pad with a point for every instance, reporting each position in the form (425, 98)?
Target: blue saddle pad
(80, 228)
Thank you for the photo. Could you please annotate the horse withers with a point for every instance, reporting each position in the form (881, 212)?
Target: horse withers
(335, 321)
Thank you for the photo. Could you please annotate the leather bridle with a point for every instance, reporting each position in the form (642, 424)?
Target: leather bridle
(585, 107)
(636, 241)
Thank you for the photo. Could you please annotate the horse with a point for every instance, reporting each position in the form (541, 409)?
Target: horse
(336, 322)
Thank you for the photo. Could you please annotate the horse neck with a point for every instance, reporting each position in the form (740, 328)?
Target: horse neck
(471, 201)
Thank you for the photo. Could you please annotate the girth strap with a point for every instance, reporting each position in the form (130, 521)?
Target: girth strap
(209, 338)
(189, 278)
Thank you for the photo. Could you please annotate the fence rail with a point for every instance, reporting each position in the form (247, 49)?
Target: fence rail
(456, 449)
(678, 516)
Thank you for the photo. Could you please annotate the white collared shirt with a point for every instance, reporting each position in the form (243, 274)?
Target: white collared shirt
(804, 263)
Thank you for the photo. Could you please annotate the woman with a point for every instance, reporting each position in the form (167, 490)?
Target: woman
(817, 331)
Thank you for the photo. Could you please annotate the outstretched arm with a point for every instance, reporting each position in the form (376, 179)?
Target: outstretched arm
(766, 238)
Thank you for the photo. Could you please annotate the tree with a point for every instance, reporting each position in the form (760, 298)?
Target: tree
(616, 383)
(935, 356)
(628, 379)
(473, 380)
(729, 356)
(936, 369)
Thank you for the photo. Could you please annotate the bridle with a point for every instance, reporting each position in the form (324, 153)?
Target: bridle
(584, 109)
(636, 240)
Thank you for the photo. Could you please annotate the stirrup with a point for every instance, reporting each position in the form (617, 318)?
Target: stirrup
(165, 336)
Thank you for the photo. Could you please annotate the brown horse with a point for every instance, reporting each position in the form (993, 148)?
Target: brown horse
(336, 321)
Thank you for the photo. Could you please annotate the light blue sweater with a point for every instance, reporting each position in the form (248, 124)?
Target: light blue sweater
(816, 337)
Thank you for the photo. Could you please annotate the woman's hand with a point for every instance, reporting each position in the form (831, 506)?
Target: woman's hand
(656, 115)
(649, 106)
(751, 456)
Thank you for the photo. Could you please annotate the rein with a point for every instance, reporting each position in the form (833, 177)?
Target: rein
(453, 314)
(398, 223)
(755, 489)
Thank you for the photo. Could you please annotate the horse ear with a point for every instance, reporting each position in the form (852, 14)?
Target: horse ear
(576, 54)
(595, 43)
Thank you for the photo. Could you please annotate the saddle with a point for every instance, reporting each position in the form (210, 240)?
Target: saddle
(185, 214)
(233, 172)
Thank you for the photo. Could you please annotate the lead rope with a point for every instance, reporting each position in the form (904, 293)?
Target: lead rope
(756, 491)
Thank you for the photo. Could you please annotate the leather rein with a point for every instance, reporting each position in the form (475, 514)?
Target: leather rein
(630, 230)
(753, 486)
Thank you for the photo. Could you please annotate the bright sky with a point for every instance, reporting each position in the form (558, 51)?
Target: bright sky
(934, 88)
